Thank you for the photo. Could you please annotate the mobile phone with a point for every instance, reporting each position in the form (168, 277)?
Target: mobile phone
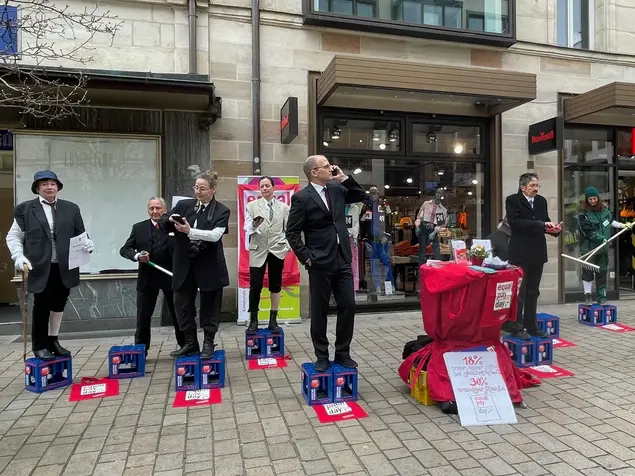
(179, 219)
(334, 171)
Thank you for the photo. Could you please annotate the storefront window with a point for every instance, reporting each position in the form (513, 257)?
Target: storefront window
(110, 178)
(625, 149)
(353, 134)
(575, 181)
(447, 139)
(384, 242)
(588, 146)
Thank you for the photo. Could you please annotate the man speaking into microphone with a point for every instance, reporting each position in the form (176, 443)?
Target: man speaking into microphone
(148, 242)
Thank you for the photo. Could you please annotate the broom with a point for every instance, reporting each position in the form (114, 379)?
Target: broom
(25, 307)
(584, 259)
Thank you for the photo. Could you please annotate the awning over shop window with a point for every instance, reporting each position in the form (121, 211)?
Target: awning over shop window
(610, 105)
(407, 86)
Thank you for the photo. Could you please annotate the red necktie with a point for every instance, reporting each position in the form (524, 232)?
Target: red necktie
(156, 225)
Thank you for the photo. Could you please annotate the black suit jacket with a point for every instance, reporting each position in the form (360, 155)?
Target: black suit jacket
(140, 239)
(309, 215)
(32, 221)
(527, 243)
(209, 267)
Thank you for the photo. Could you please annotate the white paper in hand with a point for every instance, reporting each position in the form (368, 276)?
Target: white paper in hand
(77, 254)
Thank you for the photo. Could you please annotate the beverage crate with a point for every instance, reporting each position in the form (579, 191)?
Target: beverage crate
(592, 315)
(543, 350)
(523, 352)
(43, 375)
(420, 390)
(256, 345)
(317, 387)
(127, 361)
(610, 314)
(345, 384)
(187, 373)
(274, 344)
(549, 324)
(213, 371)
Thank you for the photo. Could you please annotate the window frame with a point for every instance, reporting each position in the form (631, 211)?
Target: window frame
(590, 25)
(401, 28)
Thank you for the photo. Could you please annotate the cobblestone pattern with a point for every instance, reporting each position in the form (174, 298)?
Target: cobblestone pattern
(582, 425)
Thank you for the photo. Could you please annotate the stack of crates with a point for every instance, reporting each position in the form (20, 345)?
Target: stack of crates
(194, 373)
(597, 315)
(336, 384)
(264, 344)
(43, 375)
(127, 361)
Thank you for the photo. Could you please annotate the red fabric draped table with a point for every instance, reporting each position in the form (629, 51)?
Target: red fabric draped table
(463, 308)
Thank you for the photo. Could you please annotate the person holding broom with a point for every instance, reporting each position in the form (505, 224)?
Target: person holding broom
(39, 242)
(595, 222)
(149, 244)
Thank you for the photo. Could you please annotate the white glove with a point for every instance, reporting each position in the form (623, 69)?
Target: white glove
(20, 261)
(89, 245)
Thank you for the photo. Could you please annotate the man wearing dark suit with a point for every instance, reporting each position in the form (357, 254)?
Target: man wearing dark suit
(529, 221)
(148, 242)
(199, 263)
(40, 239)
(318, 211)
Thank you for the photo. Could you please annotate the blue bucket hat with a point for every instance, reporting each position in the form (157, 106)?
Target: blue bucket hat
(45, 175)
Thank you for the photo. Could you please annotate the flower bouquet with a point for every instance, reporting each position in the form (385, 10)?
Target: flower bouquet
(477, 254)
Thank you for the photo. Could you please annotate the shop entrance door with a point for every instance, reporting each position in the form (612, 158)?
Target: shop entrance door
(9, 311)
(626, 246)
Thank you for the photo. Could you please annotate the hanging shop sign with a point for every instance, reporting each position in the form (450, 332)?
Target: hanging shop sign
(546, 136)
(289, 120)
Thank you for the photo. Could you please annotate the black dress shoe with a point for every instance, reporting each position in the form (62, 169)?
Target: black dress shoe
(187, 349)
(346, 362)
(322, 365)
(522, 335)
(56, 348)
(44, 354)
(539, 333)
(208, 347)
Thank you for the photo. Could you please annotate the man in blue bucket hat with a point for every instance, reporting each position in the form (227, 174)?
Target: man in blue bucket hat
(39, 239)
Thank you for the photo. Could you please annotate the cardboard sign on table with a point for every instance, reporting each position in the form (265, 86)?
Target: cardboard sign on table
(268, 363)
(550, 371)
(480, 391)
(92, 387)
(333, 412)
(193, 398)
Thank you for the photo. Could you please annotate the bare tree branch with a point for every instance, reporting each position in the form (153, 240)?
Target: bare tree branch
(43, 35)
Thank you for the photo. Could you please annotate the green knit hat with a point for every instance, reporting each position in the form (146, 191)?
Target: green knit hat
(591, 192)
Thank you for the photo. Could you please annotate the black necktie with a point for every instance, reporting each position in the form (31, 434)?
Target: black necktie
(199, 216)
(54, 213)
(328, 201)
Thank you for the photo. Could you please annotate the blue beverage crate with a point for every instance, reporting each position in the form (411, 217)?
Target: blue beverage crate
(549, 324)
(274, 343)
(317, 387)
(213, 371)
(523, 352)
(543, 350)
(255, 345)
(187, 373)
(127, 361)
(43, 375)
(592, 315)
(345, 384)
(610, 314)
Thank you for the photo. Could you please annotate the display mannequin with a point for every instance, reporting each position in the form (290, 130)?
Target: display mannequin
(431, 218)
(379, 241)
(353, 212)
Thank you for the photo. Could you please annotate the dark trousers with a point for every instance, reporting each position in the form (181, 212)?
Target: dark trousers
(52, 299)
(528, 297)
(185, 305)
(257, 278)
(146, 302)
(322, 282)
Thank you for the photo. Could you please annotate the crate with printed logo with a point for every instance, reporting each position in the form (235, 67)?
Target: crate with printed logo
(522, 352)
(345, 384)
(43, 375)
(543, 350)
(591, 315)
(549, 323)
(256, 345)
(127, 361)
(610, 314)
(420, 390)
(317, 387)
(187, 373)
(213, 371)
(274, 344)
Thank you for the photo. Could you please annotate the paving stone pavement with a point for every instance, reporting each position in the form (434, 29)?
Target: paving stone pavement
(581, 425)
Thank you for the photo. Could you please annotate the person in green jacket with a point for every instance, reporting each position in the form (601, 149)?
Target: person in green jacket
(595, 222)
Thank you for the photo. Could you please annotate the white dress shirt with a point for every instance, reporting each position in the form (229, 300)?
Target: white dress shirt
(205, 235)
(320, 190)
(15, 236)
